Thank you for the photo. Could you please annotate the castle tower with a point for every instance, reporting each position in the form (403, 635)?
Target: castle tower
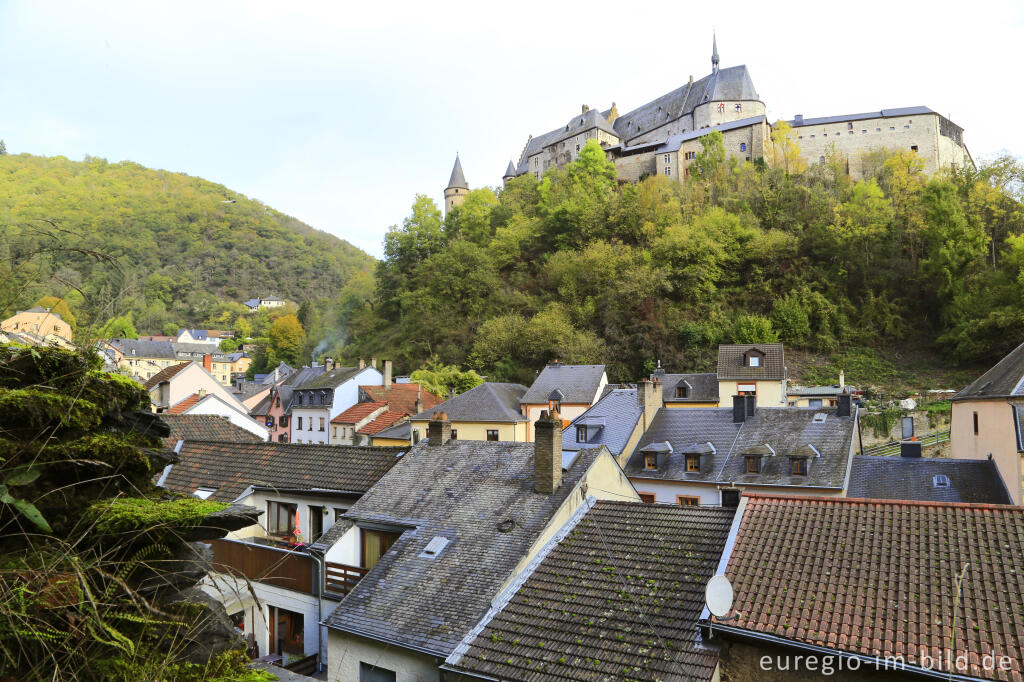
(714, 53)
(455, 192)
(510, 173)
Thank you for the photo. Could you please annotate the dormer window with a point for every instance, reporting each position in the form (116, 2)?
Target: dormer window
(753, 358)
(753, 464)
(650, 461)
(692, 462)
(581, 434)
(754, 361)
(682, 390)
(799, 465)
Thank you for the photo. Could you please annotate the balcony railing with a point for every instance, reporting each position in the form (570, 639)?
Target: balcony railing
(341, 578)
(263, 563)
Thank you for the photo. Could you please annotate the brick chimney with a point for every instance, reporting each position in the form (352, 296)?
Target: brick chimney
(547, 453)
(387, 374)
(362, 363)
(208, 362)
(418, 405)
(328, 364)
(439, 430)
(649, 398)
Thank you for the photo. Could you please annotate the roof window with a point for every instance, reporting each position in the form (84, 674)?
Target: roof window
(205, 493)
(819, 417)
(434, 547)
(940, 481)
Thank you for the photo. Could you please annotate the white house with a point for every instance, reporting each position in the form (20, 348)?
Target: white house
(315, 403)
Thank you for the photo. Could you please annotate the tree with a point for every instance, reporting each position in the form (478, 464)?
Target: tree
(441, 379)
(120, 327)
(59, 306)
(785, 150)
(752, 329)
(286, 339)
(3, 148)
(472, 220)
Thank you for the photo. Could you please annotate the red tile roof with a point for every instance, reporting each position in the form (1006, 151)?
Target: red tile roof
(357, 412)
(879, 577)
(381, 422)
(182, 406)
(165, 374)
(402, 397)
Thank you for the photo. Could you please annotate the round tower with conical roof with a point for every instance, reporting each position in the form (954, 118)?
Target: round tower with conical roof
(455, 192)
(510, 173)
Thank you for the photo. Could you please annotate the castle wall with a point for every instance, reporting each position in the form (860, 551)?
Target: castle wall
(716, 113)
(634, 167)
(918, 132)
(744, 144)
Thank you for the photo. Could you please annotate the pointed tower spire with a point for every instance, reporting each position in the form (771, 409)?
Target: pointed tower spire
(457, 179)
(510, 172)
(714, 53)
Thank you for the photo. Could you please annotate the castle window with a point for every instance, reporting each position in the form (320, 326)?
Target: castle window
(668, 170)
(906, 126)
(824, 134)
(849, 126)
(892, 127)
(739, 107)
(913, 147)
(812, 137)
(821, 160)
(668, 158)
(743, 146)
(577, 149)
(864, 131)
(878, 130)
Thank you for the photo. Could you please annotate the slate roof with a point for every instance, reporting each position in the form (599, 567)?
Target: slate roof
(488, 402)
(143, 349)
(458, 179)
(336, 377)
(883, 113)
(730, 362)
(510, 172)
(578, 383)
(1004, 380)
(204, 427)
(879, 577)
(614, 416)
(166, 374)
(461, 491)
(402, 431)
(232, 467)
(786, 430)
(913, 478)
(703, 387)
(580, 604)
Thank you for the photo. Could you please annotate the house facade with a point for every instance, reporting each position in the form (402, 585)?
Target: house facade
(569, 390)
(490, 411)
(201, 403)
(40, 322)
(316, 402)
(987, 419)
(757, 369)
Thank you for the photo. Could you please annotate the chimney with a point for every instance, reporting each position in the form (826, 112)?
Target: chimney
(418, 405)
(201, 393)
(739, 409)
(751, 402)
(842, 379)
(373, 362)
(387, 374)
(547, 453)
(845, 405)
(362, 363)
(328, 364)
(648, 398)
(208, 362)
(798, 120)
(439, 430)
(910, 448)
(451, 393)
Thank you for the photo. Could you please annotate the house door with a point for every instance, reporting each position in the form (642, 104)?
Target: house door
(286, 632)
(316, 523)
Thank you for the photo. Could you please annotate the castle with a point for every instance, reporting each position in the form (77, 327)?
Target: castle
(663, 136)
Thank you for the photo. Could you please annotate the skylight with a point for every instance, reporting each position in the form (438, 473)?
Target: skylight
(434, 547)
(940, 481)
(204, 493)
(819, 417)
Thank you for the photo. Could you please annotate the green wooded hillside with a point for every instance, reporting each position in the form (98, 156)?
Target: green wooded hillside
(584, 268)
(179, 247)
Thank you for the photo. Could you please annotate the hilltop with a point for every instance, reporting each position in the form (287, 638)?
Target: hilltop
(167, 248)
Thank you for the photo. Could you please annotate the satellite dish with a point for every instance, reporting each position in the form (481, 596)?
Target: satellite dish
(718, 595)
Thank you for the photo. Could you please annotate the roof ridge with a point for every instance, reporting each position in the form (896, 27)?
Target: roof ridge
(875, 500)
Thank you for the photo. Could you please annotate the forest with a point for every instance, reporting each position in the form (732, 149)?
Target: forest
(118, 241)
(585, 268)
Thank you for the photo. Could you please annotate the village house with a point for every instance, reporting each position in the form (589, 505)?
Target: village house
(208, 427)
(451, 527)
(709, 455)
(254, 304)
(921, 589)
(569, 390)
(40, 322)
(687, 390)
(203, 403)
(567, 618)
(272, 586)
(987, 420)
(379, 408)
(139, 359)
(274, 409)
(205, 337)
(757, 369)
(317, 401)
(617, 421)
(489, 411)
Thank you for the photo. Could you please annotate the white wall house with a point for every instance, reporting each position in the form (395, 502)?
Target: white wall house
(315, 403)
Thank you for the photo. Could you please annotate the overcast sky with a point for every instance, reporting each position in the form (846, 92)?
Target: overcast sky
(338, 113)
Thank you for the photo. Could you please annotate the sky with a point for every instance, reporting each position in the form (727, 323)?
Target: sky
(339, 113)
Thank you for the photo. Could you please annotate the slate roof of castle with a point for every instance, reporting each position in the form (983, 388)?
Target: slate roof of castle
(611, 421)
(578, 383)
(883, 113)
(787, 430)
(730, 362)
(510, 171)
(461, 491)
(1004, 380)
(458, 179)
(232, 467)
(703, 387)
(914, 478)
(488, 402)
(143, 349)
(576, 617)
(190, 427)
(672, 142)
(879, 577)
(166, 374)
